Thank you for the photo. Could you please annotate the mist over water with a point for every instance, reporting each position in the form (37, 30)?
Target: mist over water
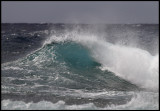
(83, 68)
(129, 63)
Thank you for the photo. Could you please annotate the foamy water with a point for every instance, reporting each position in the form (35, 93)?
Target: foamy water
(81, 70)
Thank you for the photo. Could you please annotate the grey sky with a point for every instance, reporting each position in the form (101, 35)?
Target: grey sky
(80, 12)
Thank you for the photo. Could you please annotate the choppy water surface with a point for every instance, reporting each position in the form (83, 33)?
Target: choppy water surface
(80, 66)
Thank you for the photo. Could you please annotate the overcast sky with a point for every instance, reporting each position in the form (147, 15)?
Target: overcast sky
(111, 12)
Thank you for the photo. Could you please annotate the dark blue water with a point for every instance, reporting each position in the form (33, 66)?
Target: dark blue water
(70, 66)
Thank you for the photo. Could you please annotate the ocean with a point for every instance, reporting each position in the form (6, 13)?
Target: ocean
(79, 66)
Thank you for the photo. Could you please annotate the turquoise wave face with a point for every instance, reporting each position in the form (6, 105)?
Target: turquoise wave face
(75, 55)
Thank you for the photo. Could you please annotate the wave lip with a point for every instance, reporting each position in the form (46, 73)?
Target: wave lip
(130, 63)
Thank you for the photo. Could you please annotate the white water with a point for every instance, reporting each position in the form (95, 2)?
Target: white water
(130, 63)
(140, 101)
